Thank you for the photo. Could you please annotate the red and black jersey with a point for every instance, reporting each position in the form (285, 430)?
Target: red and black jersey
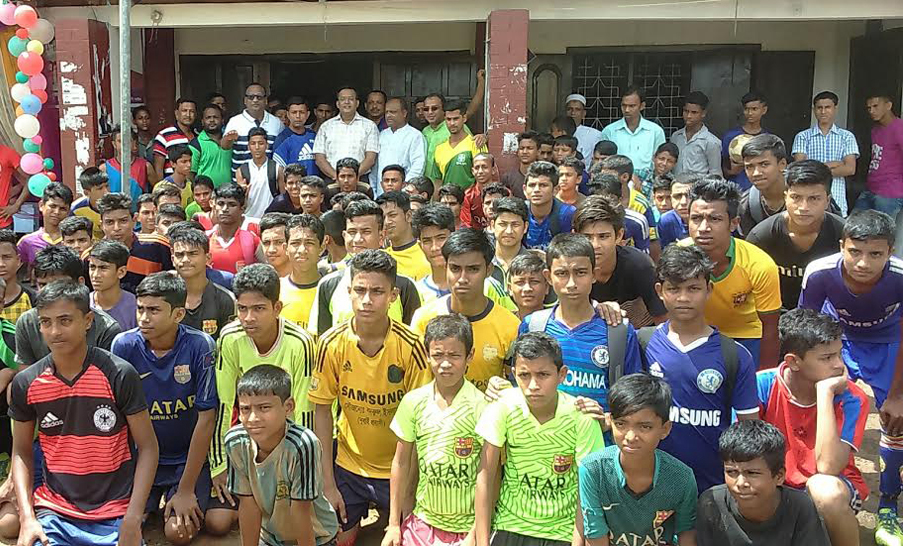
(89, 464)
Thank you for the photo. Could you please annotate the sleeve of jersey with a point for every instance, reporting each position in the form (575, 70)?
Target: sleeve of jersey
(686, 508)
(226, 379)
(491, 426)
(764, 385)
(195, 148)
(419, 373)
(633, 362)
(306, 469)
(403, 422)
(410, 299)
(766, 285)
(589, 437)
(650, 218)
(745, 399)
(239, 480)
(19, 408)
(812, 294)
(127, 390)
(107, 333)
(324, 385)
(594, 523)
(281, 152)
(854, 410)
(707, 514)
(205, 396)
(24, 354)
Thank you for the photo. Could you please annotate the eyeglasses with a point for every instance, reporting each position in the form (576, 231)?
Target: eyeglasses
(255, 97)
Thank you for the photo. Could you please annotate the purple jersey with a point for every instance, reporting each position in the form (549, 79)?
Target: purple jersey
(699, 412)
(885, 176)
(873, 317)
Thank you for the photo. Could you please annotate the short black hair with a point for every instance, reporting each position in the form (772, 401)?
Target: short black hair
(662, 183)
(542, 168)
(619, 163)
(184, 100)
(313, 181)
(433, 215)
(73, 224)
(529, 135)
(496, 188)
(511, 205)
(679, 264)
(211, 106)
(456, 104)
(112, 202)
(141, 108)
(570, 245)
(830, 95)
(165, 284)
(605, 147)
(394, 167)
(698, 98)
(439, 96)
(374, 261)
(295, 169)
(599, 208)
(422, 184)
(92, 177)
(606, 184)
(528, 262)
(347, 163)
(166, 189)
(56, 190)
(467, 240)
(545, 139)
(565, 124)
(58, 260)
(634, 89)
(230, 190)
(307, 221)
(711, 190)
(202, 180)
(112, 252)
(864, 225)
(573, 163)
(68, 290)
(272, 220)
(452, 325)
(668, 148)
(177, 151)
(750, 439)
(566, 140)
(454, 190)
(7, 236)
(363, 207)
(884, 94)
(639, 391)
(333, 225)
(265, 380)
(760, 144)
(399, 198)
(296, 101)
(192, 237)
(809, 172)
(258, 131)
(753, 96)
(260, 278)
(169, 209)
(146, 198)
(801, 330)
(349, 197)
(534, 345)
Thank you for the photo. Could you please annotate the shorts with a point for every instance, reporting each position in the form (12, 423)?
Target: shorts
(358, 492)
(507, 538)
(63, 531)
(416, 532)
(166, 483)
(874, 363)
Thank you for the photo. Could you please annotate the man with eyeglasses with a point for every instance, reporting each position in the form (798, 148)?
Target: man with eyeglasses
(347, 135)
(254, 115)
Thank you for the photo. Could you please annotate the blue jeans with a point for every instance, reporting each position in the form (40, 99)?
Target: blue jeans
(888, 205)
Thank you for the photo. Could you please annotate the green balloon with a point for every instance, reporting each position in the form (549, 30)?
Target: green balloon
(30, 146)
(21, 77)
(48, 163)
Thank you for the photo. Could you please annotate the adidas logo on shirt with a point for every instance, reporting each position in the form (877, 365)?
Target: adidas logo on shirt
(50, 420)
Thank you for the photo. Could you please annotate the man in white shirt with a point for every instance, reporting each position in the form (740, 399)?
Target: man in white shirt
(399, 144)
(586, 136)
(254, 115)
(347, 135)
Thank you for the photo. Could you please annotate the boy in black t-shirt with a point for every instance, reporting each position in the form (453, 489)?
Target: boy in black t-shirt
(752, 508)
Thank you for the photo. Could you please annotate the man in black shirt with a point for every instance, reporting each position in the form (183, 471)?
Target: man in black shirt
(805, 231)
(623, 274)
(764, 158)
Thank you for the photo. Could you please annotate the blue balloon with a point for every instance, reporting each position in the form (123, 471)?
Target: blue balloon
(30, 104)
(37, 184)
(16, 46)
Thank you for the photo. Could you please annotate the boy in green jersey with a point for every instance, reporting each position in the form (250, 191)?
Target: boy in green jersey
(435, 425)
(543, 436)
(633, 493)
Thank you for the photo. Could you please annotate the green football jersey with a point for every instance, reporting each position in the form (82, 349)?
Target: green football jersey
(538, 497)
(448, 453)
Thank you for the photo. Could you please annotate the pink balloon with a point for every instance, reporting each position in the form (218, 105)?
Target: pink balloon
(8, 14)
(30, 63)
(37, 139)
(31, 163)
(38, 81)
(25, 16)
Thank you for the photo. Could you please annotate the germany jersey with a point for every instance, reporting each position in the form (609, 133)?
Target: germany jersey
(368, 390)
(293, 351)
(494, 332)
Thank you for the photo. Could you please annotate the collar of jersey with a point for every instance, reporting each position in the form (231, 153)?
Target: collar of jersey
(732, 255)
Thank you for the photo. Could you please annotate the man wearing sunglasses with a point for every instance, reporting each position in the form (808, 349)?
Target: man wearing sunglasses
(254, 115)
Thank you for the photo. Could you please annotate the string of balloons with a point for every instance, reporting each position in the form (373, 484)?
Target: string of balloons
(30, 89)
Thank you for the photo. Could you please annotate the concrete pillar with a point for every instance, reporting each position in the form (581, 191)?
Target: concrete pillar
(83, 57)
(507, 85)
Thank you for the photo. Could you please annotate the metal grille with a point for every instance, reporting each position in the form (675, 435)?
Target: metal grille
(603, 77)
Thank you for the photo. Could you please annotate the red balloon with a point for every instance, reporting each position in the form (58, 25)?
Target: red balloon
(22, 33)
(30, 63)
(51, 175)
(41, 94)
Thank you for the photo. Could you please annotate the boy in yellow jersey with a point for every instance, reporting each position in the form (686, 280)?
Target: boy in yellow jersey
(367, 364)
(397, 215)
(298, 288)
(746, 300)
(468, 255)
(259, 336)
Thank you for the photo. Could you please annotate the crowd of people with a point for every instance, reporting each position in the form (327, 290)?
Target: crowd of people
(305, 312)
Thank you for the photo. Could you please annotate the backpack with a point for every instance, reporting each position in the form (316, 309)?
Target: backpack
(728, 355)
(617, 342)
(272, 175)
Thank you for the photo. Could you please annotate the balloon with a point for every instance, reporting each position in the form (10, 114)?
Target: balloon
(37, 184)
(30, 104)
(48, 163)
(52, 176)
(41, 31)
(16, 46)
(19, 111)
(32, 163)
(27, 126)
(21, 77)
(19, 91)
(31, 146)
(8, 14)
(38, 81)
(41, 94)
(22, 33)
(30, 63)
(35, 46)
(25, 16)
(38, 140)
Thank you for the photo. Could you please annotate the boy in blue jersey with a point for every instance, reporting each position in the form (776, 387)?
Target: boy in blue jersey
(175, 364)
(862, 287)
(687, 353)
